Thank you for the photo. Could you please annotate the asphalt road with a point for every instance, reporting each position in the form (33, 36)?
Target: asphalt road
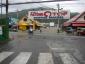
(43, 48)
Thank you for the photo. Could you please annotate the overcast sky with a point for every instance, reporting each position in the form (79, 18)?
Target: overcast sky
(73, 6)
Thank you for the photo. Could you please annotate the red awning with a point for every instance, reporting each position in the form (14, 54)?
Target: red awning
(78, 24)
(67, 23)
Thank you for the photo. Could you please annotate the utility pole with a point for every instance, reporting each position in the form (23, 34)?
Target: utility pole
(58, 25)
(17, 18)
(58, 6)
(1, 9)
(7, 22)
(6, 8)
(17, 14)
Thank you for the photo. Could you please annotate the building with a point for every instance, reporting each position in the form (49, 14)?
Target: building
(76, 21)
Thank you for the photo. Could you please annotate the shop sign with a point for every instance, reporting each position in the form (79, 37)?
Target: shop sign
(51, 23)
(49, 14)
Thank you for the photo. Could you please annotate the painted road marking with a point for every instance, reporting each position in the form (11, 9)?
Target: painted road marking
(45, 58)
(4, 55)
(61, 50)
(67, 58)
(22, 58)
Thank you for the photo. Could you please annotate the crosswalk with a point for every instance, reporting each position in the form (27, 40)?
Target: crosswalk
(22, 58)
(4, 55)
(67, 58)
(43, 58)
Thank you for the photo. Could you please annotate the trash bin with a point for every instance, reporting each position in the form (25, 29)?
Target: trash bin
(4, 30)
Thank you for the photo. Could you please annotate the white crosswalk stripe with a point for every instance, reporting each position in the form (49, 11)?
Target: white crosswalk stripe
(45, 58)
(4, 55)
(67, 58)
(22, 58)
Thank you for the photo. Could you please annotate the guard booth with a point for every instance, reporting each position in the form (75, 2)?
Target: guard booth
(4, 30)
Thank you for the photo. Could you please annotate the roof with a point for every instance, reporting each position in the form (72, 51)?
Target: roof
(72, 20)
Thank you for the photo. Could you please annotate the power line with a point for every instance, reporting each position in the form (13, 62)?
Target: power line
(34, 2)
(3, 4)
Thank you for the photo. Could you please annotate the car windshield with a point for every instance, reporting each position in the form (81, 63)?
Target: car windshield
(42, 31)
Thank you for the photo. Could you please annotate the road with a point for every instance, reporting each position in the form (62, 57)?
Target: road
(43, 48)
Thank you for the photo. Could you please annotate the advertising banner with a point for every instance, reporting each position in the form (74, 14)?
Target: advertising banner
(49, 14)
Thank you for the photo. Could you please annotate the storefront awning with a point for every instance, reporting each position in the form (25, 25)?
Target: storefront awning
(67, 23)
(78, 24)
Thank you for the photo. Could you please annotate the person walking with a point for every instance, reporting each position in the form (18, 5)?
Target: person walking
(30, 31)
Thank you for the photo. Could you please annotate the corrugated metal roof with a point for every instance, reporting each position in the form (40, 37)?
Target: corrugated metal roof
(73, 19)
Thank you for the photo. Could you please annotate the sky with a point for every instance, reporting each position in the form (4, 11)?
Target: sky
(73, 6)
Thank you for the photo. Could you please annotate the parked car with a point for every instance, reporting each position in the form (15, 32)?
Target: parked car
(69, 30)
(81, 31)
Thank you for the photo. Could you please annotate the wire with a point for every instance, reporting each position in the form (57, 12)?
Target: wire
(35, 2)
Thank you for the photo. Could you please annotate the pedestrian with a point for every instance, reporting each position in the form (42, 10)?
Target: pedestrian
(58, 31)
(40, 30)
(30, 31)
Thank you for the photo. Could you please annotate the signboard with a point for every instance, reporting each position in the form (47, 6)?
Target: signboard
(0, 30)
(51, 24)
(49, 14)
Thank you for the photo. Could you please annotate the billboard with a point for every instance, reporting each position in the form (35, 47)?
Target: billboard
(49, 14)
